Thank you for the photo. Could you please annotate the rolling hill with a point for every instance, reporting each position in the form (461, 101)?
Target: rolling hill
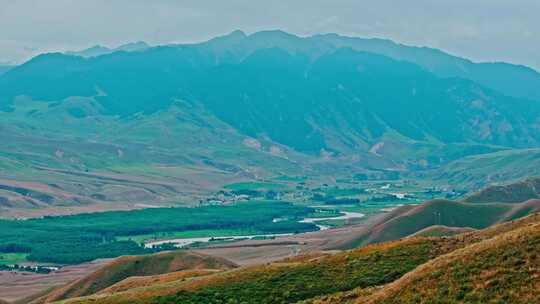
(441, 230)
(511, 193)
(399, 245)
(408, 220)
(287, 281)
(165, 157)
(477, 171)
(489, 206)
(502, 269)
(138, 266)
(373, 273)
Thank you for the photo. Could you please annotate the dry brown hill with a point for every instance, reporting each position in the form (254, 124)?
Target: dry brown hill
(523, 228)
(503, 269)
(136, 266)
(512, 193)
(356, 274)
(290, 280)
(408, 220)
(144, 281)
(441, 230)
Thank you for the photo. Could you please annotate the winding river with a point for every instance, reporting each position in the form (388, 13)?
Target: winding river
(180, 243)
(345, 216)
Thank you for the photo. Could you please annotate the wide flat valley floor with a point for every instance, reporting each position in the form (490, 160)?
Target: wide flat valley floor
(17, 285)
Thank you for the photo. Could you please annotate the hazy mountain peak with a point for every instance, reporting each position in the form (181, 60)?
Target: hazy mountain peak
(99, 50)
(133, 46)
(94, 51)
(237, 34)
(345, 37)
(273, 34)
(97, 47)
(231, 38)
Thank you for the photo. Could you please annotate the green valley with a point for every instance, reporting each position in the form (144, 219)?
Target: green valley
(267, 166)
(85, 237)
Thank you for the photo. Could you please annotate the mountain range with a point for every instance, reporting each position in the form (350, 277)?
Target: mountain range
(327, 92)
(261, 105)
(99, 50)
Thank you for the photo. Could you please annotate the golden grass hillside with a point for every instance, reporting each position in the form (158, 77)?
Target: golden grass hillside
(497, 265)
(409, 220)
(503, 269)
(364, 273)
(136, 266)
(490, 206)
(144, 281)
(441, 230)
(512, 193)
(352, 273)
(289, 280)
(322, 277)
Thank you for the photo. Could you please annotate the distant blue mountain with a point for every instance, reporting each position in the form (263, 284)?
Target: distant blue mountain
(512, 80)
(322, 92)
(99, 50)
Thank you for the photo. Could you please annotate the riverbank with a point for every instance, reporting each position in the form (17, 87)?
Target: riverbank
(186, 242)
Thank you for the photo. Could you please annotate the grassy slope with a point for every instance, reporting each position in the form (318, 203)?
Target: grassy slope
(409, 220)
(303, 277)
(441, 230)
(173, 155)
(512, 193)
(130, 266)
(300, 278)
(503, 269)
(143, 281)
(468, 240)
(357, 272)
(476, 171)
(290, 280)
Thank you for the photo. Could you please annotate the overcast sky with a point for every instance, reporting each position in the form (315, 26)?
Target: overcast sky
(482, 30)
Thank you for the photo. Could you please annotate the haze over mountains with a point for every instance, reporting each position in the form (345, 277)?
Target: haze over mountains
(99, 50)
(357, 159)
(327, 91)
(265, 104)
